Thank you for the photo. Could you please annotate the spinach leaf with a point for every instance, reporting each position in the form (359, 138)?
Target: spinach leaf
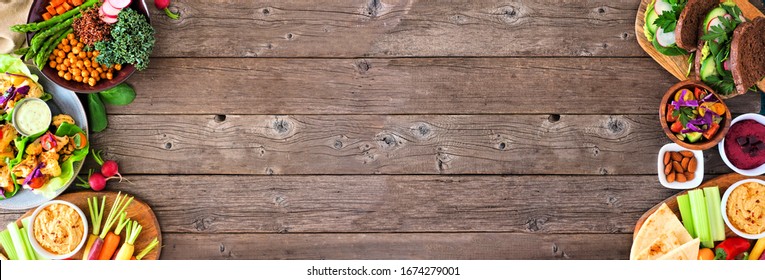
(122, 94)
(98, 121)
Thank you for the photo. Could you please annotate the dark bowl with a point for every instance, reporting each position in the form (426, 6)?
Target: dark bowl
(701, 145)
(35, 14)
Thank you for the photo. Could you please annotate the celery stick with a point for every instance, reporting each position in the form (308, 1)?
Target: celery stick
(700, 220)
(25, 222)
(27, 246)
(716, 223)
(18, 241)
(7, 243)
(684, 203)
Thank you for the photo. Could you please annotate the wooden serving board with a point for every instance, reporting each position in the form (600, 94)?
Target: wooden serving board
(723, 182)
(137, 211)
(678, 65)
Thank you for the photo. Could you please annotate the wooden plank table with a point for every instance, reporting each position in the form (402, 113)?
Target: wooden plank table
(396, 129)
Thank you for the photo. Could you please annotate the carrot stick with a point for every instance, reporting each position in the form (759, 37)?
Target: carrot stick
(131, 234)
(56, 3)
(112, 240)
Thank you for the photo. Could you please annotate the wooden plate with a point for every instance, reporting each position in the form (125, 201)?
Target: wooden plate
(723, 182)
(678, 65)
(137, 211)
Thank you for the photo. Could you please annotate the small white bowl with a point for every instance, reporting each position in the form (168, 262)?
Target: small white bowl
(39, 249)
(724, 203)
(698, 176)
(721, 146)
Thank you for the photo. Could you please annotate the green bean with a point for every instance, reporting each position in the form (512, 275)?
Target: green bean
(35, 26)
(98, 121)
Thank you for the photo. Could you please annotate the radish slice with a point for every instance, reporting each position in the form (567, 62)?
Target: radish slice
(119, 4)
(726, 65)
(665, 39)
(106, 18)
(102, 14)
(109, 10)
(661, 7)
(714, 22)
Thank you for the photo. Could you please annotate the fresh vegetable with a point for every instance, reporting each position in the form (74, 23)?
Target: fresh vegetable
(112, 240)
(131, 234)
(700, 217)
(714, 214)
(757, 250)
(7, 242)
(693, 117)
(36, 26)
(119, 206)
(49, 45)
(25, 222)
(148, 249)
(122, 94)
(109, 168)
(706, 254)
(720, 24)
(96, 215)
(18, 241)
(98, 120)
(684, 203)
(163, 5)
(660, 21)
(132, 41)
(95, 181)
(731, 248)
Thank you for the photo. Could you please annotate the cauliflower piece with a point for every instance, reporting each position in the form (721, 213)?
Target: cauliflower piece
(34, 149)
(61, 142)
(35, 90)
(51, 168)
(25, 167)
(62, 118)
(6, 182)
(8, 134)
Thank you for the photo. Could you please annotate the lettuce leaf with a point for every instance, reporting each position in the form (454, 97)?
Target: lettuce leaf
(67, 167)
(10, 64)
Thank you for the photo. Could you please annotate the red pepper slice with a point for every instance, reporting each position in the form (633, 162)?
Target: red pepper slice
(711, 131)
(671, 113)
(698, 93)
(48, 141)
(731, 247)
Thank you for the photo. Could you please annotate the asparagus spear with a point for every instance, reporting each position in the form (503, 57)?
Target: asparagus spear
(38, 39)
(47, 49)
(36, 26)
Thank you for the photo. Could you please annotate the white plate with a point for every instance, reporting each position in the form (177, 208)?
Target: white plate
(724, 203)
(64, 101)
(698, 176)
(721, 146)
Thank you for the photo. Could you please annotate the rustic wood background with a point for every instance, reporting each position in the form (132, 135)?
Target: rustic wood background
(396, 129)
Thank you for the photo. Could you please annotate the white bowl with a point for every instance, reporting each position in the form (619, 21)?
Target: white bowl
(723, 206)
(698, 176)
(721, 146)
(39, 249)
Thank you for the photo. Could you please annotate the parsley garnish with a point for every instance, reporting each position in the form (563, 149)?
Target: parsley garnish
(667, 20)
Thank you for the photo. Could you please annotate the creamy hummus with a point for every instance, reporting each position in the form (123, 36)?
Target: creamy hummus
(746, 208)
(58, 228)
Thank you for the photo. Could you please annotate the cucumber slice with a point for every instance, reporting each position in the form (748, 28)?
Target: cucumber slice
(650, 21)
(708, 69)
(712, 15)
(673, 50)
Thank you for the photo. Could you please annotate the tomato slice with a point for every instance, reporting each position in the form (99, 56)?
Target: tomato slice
(713, 128)
(718, 108)
(80, 140)
(676, 127)
(671, 113)
(36, 183)
(698, 93)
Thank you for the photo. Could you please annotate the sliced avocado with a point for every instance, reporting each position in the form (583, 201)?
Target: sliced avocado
(674, 50)
(650, 20)
(708, 69)
(693, 137)
(713, 14)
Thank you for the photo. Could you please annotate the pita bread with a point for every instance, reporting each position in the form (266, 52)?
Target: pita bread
(687, 252)
(665, 243)
(660, 222)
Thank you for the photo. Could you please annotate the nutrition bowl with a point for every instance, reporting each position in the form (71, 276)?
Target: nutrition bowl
(57, 211)
(724, 210)
(723, 154)
(698, 176)
(703, 143)
(35, 15)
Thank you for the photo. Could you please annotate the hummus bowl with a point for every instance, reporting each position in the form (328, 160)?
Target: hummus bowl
(743, 208)
(58, 230)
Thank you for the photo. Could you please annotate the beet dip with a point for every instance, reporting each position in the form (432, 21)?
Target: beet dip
(744, 144)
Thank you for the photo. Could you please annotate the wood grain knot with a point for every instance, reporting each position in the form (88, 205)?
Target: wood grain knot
(616, 125)
(288, 36)
(219, 118)
(363, 66)
(266, 11)
(373, 8)
(535, 224)
(281, 126)
(508, 14)
(168, 146)
(338, 144)
(553, 118)
(388, 141)
(203, 224)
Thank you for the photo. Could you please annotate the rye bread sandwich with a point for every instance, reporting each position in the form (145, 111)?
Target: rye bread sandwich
(726, 38)
(672, 26)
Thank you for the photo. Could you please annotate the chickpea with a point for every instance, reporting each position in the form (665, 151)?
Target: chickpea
(61, 74)
(82, 55)
(103, 67)
(95, 64)
(60, 53)
(118, 67)
(60, 67)
(93, 73)
(70, 36)
(96, 53)
(109, 76)
(59, 60)
(100, 70)
(87, 63)
(65, 41)
(79, 64)
(68, 76)
(73, 41)
(76, 72)
(52, 57)
(92, 82)
(67, 48)
(67, 62)
(102, 75)
(78, 78)
(52, 64)
(85, 74)
(75, 50)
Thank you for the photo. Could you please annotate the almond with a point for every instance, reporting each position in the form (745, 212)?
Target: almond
(687, 154)
(681, 178)
(676, 156)
(667, 169)
(671, 177)
(689, 176)
(692, 164)
(678, 168)
(684, 163)
(666, 158)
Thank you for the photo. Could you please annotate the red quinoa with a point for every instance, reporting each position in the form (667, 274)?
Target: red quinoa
(90, 28)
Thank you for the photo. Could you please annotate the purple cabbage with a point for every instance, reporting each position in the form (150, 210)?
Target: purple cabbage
(2, 193)
(36, 173)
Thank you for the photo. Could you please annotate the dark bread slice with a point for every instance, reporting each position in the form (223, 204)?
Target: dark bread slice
(690, 21)
(747, 54)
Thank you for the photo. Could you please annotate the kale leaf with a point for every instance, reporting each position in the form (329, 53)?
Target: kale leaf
(132, 41)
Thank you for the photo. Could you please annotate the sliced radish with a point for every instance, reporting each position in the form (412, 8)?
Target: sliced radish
(661, 7)
(726, 65)
(119, 4)
(107, 19)
(109, 10)
(665, 39)
(102, 14)
(714, 22)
